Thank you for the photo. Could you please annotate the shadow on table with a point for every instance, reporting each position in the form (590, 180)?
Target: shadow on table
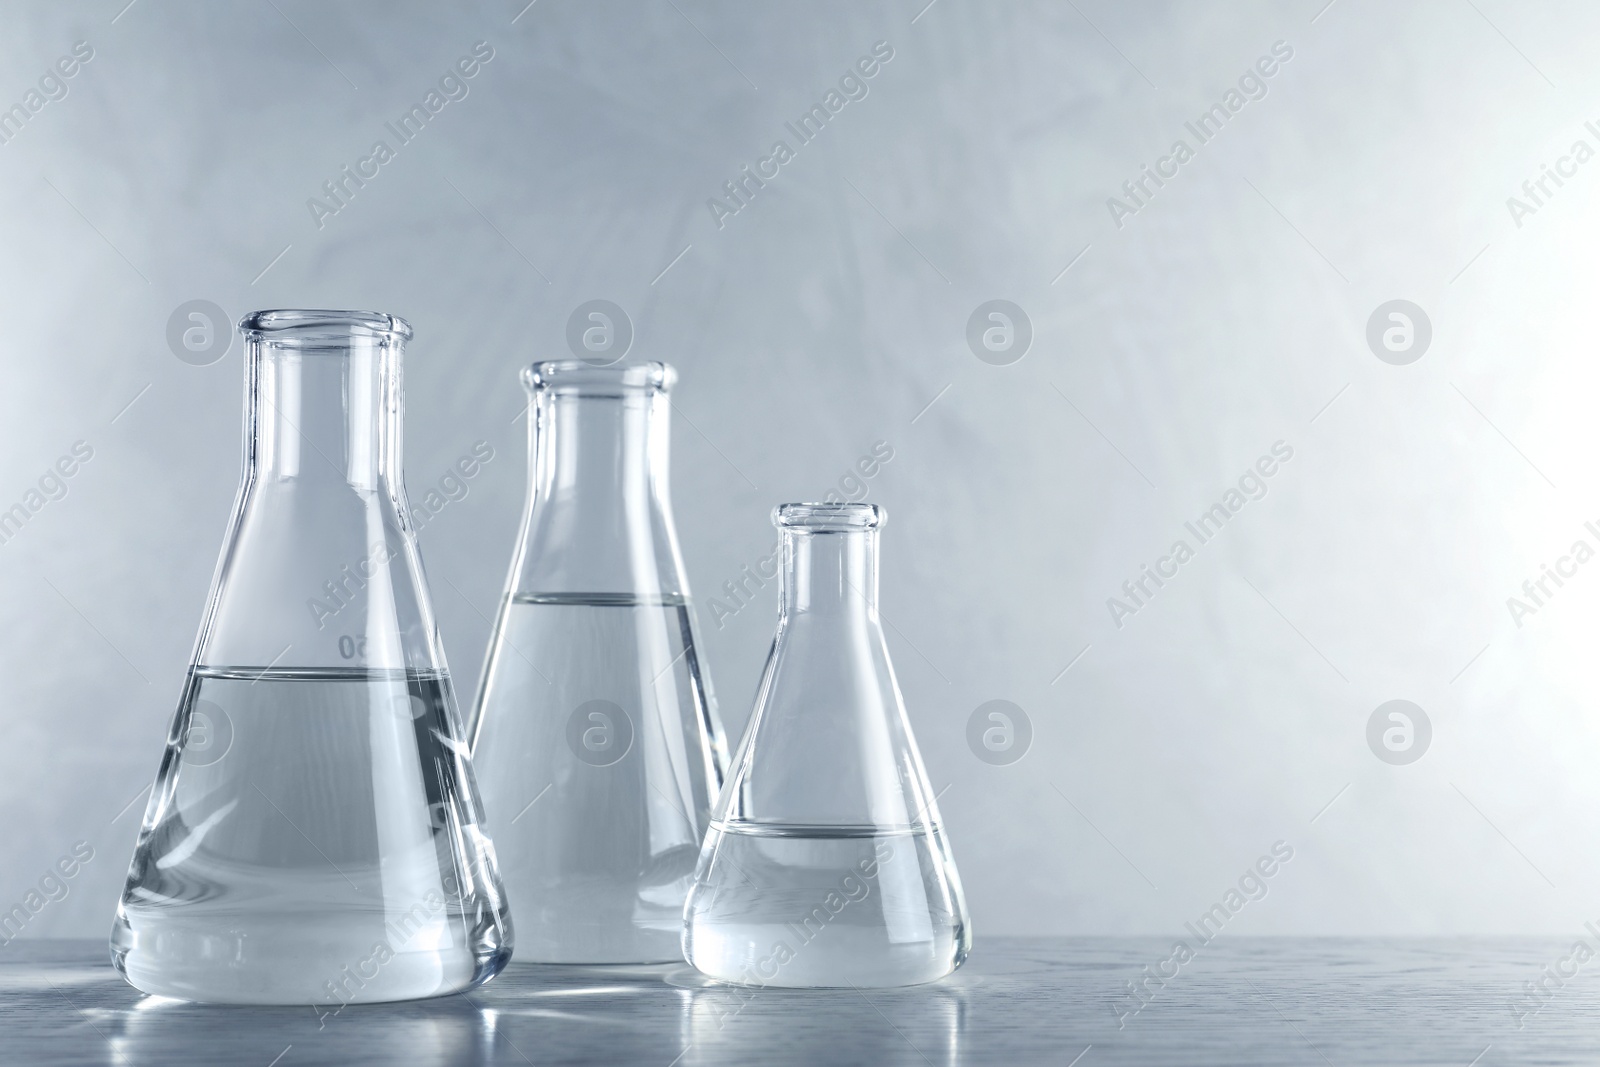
(639, 1014)
(546, 1015)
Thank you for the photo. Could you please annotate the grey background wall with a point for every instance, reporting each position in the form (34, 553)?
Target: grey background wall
(1175, 341)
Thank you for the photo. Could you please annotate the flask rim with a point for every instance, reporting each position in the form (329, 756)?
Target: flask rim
(828, 518)
(591, 379)
(321, 328)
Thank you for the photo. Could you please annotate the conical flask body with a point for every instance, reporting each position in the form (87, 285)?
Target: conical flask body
(595, 733)
(826, 863)
(314, 835)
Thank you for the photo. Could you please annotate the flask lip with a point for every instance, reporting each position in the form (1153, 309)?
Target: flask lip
(314, 327)
(589, 379)
(828, 518)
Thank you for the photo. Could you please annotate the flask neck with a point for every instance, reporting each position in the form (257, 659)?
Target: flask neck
(598, 521)
(830, 573)
(596, 454)
(324, 415)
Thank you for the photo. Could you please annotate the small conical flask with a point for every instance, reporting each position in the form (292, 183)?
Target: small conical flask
(825, 864)
(595, 733)
(314, 835)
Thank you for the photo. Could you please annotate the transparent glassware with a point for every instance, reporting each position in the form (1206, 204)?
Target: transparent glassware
(314, 835)
(595, 733)
(826, 864)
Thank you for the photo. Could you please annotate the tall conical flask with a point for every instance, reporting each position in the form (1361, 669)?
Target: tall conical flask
(826, 864)
(595, 733)
(314, 835)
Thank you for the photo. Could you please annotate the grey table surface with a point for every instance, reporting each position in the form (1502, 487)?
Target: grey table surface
(1017, 1001)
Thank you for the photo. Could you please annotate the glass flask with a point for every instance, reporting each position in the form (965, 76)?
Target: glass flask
(826, 864)
(595, 733)
(314, 835)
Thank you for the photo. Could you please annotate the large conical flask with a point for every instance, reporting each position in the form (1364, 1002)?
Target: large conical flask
(595, 734)
(314, 835)
(825, 864)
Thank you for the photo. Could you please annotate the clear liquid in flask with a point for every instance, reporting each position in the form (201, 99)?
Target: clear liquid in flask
(596, 760)
(824, 906)
(312, 840)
